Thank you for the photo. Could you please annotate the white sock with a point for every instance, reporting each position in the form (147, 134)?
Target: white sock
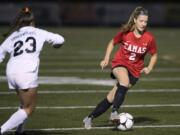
(16, 119)
(20, 128)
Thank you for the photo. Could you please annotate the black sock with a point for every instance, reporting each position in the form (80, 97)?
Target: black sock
(100, 108)
(119, 97)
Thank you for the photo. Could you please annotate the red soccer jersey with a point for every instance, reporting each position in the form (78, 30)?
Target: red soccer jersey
(132, 51)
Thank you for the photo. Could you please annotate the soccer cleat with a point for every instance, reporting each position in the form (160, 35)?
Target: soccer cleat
(0, 131)
(114, 116)
(87, 123)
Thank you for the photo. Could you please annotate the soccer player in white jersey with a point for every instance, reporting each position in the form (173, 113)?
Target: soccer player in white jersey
(24, 43)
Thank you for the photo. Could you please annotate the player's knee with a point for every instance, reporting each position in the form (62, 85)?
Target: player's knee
(110, 95)
(122, 88)
(110, 98)
(29, 110)
(125, 84)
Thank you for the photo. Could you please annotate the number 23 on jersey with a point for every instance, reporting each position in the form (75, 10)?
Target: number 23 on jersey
(30, 43)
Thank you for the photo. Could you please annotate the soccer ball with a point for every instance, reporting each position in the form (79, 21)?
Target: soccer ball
(125, 121)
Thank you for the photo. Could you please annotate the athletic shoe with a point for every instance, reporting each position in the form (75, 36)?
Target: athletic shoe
(87, 123)
(114, 116)
(0, 131)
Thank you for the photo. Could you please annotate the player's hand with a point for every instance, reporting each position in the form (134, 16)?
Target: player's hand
(57, 46)
(146, 70)
(104, 63)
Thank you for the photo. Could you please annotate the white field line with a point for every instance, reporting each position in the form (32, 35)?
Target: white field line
(68, 63)
(162, 70)
(96, 91)
(67, 58)
(90, 81)
(109, 127)
(89, 107)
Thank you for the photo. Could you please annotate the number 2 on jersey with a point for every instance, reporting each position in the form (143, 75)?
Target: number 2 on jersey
(30, 41)
(132, 56)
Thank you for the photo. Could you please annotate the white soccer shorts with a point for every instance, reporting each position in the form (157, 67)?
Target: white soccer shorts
(22, 81)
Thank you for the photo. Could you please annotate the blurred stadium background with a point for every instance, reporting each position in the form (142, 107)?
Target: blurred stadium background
(71, 81)
(96, 13)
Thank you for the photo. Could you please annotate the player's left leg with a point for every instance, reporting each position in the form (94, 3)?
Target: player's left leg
(125, 81)
(121, 74)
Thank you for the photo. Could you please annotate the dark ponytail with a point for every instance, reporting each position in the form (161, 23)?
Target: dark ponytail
(25, 17)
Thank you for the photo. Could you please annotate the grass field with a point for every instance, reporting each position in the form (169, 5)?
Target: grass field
(72, 83)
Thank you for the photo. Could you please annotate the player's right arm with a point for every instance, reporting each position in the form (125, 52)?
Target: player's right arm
(117, 39)
(2, 54)
(54, 39)
(3, 49)
(109, 49)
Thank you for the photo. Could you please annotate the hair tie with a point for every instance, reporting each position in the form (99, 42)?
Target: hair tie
(26, 9)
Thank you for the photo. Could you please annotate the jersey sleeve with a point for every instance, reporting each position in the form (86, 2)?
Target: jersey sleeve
(53, 38)
(117, 38)
(4, 48)
(152, 47)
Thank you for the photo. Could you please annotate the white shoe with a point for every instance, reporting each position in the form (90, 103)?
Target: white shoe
(114, 116)
(87, 123)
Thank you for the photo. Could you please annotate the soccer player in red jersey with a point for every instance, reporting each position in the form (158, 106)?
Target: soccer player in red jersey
(128, 63)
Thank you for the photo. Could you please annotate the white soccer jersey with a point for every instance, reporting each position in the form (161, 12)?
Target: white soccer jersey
(24, 47)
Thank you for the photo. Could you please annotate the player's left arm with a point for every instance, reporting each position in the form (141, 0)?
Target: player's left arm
(154, 56)
(152, 63)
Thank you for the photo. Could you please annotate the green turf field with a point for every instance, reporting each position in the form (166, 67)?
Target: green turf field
(66, 98)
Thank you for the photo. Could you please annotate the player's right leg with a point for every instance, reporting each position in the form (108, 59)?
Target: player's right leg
(17, 118)
(87, 122)
(102, 107)
(21, 127)
(27, 93)
(28, 100)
